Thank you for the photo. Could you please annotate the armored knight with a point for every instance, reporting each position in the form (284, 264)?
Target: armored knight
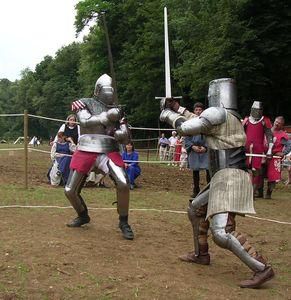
(257, 128)
(103, 128)
(230, 190)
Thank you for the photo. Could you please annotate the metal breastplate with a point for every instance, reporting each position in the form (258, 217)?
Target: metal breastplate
(99, 143)
(229, 158)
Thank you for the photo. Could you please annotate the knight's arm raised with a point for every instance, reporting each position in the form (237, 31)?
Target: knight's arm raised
(210, 117)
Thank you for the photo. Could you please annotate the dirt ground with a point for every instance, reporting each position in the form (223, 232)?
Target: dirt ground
(40, 258)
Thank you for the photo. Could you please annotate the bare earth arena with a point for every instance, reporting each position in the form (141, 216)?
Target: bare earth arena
(41, 258)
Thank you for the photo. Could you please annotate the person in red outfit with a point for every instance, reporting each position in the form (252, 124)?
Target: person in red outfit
(178, 149)
(274, 164)
(257, 127)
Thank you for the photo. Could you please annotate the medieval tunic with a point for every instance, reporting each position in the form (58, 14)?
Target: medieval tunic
(196, 161)
(274, 164)
(255, 133)
(230, 189)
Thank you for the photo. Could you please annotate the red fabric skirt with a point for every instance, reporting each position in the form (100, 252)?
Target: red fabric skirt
(83, 161)
(274, 169)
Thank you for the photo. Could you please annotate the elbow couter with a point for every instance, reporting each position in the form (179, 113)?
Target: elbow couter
(172, 118)
(121, 136)
(114, 114)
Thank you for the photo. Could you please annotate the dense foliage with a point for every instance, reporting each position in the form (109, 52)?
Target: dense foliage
(209, 39)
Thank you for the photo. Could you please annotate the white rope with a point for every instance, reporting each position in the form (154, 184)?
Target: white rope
(132, 209)
(11, 115)
(132, 161)
(52, 119)
(11, 149)
(269, 220)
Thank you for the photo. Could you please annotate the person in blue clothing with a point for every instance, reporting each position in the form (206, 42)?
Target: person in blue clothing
(197, 153)
(61, 153)
(130, 158)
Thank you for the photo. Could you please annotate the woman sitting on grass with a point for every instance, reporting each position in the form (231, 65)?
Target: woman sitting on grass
(61, 157)
(130, 158)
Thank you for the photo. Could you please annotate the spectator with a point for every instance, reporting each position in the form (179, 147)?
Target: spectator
(274, 164)
(163, 147)
(184, 156)
(257, 128)
(172, 140)
(197, 154)
(51, 140)
(70, 129)
(130, 156)
(60, 156)
(287, 159)
(178, 149)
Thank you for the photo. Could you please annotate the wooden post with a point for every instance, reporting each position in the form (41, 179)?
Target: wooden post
(25, 135)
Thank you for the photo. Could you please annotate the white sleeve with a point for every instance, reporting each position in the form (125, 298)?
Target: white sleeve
(53, 151)
(79, 133)
(62, 128)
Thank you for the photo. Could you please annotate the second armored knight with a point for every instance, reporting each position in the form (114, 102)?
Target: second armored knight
(230, 191)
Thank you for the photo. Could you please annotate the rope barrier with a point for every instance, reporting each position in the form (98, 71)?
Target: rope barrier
(133, 161)
(52, 119)
(11, 115)
(133, 209)
(11, 149)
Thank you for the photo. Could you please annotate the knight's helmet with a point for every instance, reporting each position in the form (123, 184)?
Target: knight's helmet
(257, 110)
(104, 90)
(222, 93)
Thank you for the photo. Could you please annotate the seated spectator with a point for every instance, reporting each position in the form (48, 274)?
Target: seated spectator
(60, 156)
(95, 180)
(130, 158)
(70, 129)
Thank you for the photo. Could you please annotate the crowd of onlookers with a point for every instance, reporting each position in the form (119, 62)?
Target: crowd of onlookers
(191, 152)
(187, 152)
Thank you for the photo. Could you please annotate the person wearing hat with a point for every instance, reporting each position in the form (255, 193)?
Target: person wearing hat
(257, 128)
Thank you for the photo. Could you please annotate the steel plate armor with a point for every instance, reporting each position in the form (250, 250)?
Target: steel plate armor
(230, 190)
(102, 129)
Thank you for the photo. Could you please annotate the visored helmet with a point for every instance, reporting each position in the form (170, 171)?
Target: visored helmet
(104, 90)
(222, 93)
(257, 110)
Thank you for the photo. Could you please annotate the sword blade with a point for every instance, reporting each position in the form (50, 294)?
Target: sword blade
(167, 57)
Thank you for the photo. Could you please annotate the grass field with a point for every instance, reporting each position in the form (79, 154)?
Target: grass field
(43, 259)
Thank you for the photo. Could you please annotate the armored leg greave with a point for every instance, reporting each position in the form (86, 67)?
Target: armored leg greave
(121, 181)
(200, 229)
(73, 189)
(224, 235)
(197, 212)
